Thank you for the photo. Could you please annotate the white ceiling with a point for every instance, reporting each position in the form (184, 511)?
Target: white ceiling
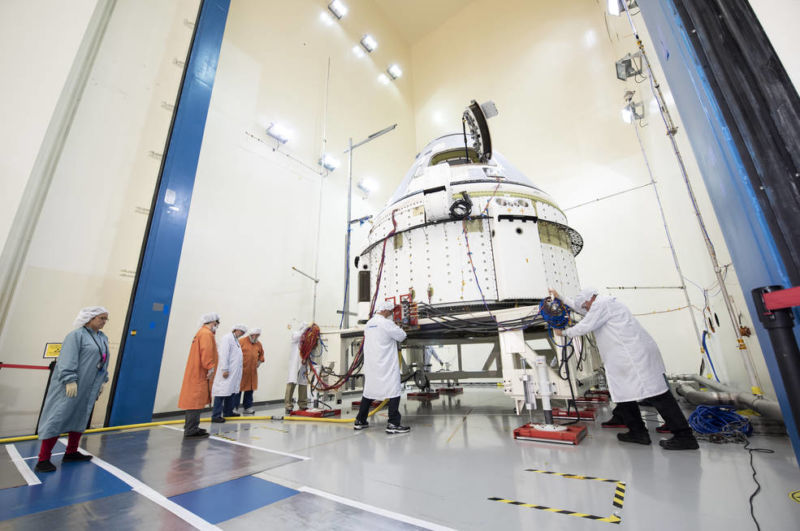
(416, 18)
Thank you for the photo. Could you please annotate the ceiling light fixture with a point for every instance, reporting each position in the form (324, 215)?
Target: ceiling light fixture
(338, 8)
(279, 132)
(328, 162)
(369, 43)
(394, 71)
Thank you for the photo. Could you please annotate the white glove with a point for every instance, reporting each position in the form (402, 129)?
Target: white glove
(72, 389)
(210, 373)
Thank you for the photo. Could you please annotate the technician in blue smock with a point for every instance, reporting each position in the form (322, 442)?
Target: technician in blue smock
(80, 373)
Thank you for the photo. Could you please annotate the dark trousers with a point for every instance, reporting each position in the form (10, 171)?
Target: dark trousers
(192, 423)
(394, 410)
(246, 403)
(667, 407)
(223, 406)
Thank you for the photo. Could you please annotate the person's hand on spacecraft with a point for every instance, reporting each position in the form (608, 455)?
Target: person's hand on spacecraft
(71, 389)
(558, 332)
(225, 374)
(210, 374)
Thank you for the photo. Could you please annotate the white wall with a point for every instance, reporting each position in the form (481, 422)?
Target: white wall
(549, 66)
(255, 212)
(86, 245)
(39, 40)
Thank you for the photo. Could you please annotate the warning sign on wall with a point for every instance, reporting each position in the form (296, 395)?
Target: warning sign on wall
(51, 350)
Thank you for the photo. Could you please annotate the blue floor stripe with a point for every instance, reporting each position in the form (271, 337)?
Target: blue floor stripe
(233, 498)
(72, 483)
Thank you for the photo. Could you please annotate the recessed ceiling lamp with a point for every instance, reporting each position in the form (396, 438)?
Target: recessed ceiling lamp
(338, 8)
(358, 51)
(383, 79)
(394, 71)
(369, 43)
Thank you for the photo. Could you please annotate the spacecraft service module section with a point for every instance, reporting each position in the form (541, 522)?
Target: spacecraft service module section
(461, 231)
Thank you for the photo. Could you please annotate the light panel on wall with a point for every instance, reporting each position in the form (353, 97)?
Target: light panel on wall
(328, 162)
(338, 8)
(616, 7)
(279, 132)
(369, 43)
(632, 111)
(367, 186)
(359, 52)
(383, 79)
(394, 71)
(629, 66)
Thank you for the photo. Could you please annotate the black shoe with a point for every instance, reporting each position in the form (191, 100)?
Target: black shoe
(613, 422)
(289, 411)
(663, 429)
(391, 428)
(199, 434)
(679, 443)
(634, 437)
(45, 466)
(218, 420)
(360, 425)
(232, 415)
(76, 456)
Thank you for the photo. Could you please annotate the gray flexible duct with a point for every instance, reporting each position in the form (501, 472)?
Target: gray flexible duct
(723, 395)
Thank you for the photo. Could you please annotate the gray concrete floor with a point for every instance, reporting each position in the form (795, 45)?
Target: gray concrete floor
(461, 452)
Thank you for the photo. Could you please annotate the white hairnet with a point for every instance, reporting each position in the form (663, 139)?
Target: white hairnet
(209, 318)
(384, 306)
(585, 295)
(241, 327)
(255, 331)
(87, 314)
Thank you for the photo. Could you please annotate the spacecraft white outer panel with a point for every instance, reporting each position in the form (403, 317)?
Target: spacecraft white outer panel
(518, 259)
(520, 244)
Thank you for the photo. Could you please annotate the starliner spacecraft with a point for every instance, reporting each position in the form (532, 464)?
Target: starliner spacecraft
(466, 229)
(467, 248)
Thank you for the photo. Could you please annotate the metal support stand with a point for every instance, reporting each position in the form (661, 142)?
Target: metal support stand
(779, 323)
(44, 398)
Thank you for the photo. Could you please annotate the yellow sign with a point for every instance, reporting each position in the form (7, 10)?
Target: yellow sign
(51, 350)
(795, 496)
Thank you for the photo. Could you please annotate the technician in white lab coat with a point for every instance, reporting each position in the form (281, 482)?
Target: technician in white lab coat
(297, 374)
(228, 374)
(382, 368)
(634, 368)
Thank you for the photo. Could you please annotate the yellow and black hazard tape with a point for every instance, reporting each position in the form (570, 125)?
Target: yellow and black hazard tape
(619, 495)
(611, 519)
(572, 476)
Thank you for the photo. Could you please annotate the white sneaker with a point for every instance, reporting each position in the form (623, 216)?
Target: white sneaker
(249, 411)
(238, 411)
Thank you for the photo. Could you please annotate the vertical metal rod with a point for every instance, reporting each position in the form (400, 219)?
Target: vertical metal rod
(346, 305)
(321, 182)
(755, 385)
(669, 239)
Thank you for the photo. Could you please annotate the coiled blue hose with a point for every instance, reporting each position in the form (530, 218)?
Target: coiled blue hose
(722, 420)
